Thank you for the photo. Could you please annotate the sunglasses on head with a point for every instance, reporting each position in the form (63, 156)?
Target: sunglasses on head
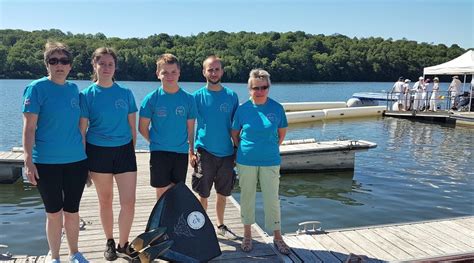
(62, 61)
(259, 88)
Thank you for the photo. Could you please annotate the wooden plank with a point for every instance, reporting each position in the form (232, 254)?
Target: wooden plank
(368, 245)
(352, 247)
(458, 237)
(466, 222)
(319, 250)
(402, 244)
(384, 244)
(441, 236)
(414, 241)
(336, 249)
(300, 250)
(430, 239)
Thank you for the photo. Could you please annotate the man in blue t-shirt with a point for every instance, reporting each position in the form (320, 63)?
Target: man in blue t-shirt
(171, 112)
(214, 162)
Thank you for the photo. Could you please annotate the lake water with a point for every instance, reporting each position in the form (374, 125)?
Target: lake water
(418, 171)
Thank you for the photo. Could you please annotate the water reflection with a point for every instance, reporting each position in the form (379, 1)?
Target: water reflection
(334, 186)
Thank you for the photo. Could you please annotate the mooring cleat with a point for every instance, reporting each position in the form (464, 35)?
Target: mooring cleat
(146, 238)
(151, 253)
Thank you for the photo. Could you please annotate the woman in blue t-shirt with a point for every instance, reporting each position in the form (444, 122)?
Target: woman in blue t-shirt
(258, 128)
(108, 113)
(54, 154)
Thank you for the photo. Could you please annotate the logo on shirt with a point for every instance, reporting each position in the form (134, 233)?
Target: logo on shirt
(74, 103)
(272, 117)
(225, 107)
(161, 112)
(27, 102)
(120, 104)
(180, 111)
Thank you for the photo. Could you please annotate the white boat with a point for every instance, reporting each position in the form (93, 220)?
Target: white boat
(313, 105)
(338, 113)
(310, 155)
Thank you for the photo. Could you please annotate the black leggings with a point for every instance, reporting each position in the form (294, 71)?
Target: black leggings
(61, 185)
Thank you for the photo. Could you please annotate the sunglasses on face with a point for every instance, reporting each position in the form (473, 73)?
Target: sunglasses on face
(259, 88)
(62, 61)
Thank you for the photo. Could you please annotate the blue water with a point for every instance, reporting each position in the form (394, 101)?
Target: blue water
(418, 171)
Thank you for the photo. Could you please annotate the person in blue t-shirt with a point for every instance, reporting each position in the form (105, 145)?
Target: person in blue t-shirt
(108, 123)
(214, 164)
(258, 129)
(167, 117)
(55, 160)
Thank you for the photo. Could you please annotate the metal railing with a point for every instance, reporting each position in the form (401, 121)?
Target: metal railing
(416, 101)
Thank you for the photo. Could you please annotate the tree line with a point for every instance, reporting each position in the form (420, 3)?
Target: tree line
(289, 57)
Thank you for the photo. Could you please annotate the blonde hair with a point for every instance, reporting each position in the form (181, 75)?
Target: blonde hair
(98, 53)
(52, 47)
(259, 74)
(167, 59)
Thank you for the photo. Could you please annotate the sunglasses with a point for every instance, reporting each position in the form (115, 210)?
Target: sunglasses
(62, 61)
(260, 88)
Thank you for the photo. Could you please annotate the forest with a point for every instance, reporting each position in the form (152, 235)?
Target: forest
(289, 57)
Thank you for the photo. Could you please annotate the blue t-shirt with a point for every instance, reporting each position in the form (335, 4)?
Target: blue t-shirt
(107, 110)
(215, 112)
(58, 139)
(258, 125)
(169, 114)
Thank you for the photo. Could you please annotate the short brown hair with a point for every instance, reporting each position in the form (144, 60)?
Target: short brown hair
(211, 57)
(98, 53)
(52, 47)
(167, 59)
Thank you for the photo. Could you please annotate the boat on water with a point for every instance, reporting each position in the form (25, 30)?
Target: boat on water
(312, 105)
(309, 155)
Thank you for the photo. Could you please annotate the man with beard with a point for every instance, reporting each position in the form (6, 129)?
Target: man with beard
(214, 159)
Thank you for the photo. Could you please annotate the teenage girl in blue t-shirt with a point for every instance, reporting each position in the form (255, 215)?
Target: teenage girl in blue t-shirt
(54, 154)
(108, 113)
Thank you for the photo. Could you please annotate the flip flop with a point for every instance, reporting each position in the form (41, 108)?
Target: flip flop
(246, 245)
(281, 246)
(146, 238)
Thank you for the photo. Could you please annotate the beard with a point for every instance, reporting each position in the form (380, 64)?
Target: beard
(214, 82)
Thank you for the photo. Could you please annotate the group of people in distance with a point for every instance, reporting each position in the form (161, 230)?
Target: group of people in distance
(417, 98)
(69, 136)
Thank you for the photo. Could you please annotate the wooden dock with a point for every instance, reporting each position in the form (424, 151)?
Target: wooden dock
(445, 239)
(431, 117)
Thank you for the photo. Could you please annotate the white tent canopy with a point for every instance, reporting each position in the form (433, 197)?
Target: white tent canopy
(462, 65)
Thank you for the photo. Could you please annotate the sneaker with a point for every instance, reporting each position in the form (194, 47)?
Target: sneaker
(110, 253)
(126, 251)
(78, 258)
(225, 232)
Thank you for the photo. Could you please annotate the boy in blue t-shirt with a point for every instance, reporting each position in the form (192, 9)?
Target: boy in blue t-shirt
(167, 118)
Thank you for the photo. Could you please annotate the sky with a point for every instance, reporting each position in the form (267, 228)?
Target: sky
(431, 21)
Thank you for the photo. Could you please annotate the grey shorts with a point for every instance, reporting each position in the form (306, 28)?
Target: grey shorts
(211, 169)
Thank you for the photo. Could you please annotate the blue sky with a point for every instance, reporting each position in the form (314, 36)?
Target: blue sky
(432, 21)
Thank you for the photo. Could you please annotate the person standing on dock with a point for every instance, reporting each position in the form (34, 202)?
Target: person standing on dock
(258, 129)
(108, 125)
(397, 91)
(454, 90)
(406, 95)
(55, 159)
(167, 117)
(214, 162)
(418, 90)
(434, 95)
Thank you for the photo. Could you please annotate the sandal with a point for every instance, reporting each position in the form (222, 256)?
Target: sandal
(281, 246)
(246, 245)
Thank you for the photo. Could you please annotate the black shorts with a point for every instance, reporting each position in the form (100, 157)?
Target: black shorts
(167, 168)
(61, 185)
(111, 160)
(212, 169)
